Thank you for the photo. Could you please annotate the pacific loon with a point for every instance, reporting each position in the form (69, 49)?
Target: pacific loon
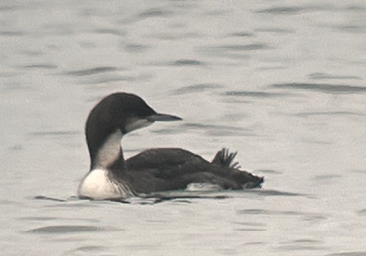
(112, 177)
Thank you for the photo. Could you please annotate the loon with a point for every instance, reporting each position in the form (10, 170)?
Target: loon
(111, 177)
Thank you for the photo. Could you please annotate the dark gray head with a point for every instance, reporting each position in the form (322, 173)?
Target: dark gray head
(122, 112)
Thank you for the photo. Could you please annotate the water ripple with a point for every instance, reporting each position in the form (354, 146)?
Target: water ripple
(135, 48)
(326, 88)
(40, 66)
(213, 127)
(86, 249)
(320, 76)
(12, 33)
(237, 47)
(268, 212)
(7, 8)
(187, 62)
(328, 113)
(112, 78)
(233, 51)
(269, 171)
(242, 34)
(196, 88)
(362, 212)
(348, 254)
(302, 244)
(55, 133)
(91, 71)
(307, 215)
(326, 177)
(282, 10)
(155, 12)
(278, 193)
(66, 229)
(218, 130)
(351, 28)
(276, 30)
(291, 10)
(109, 31)
(256, 94)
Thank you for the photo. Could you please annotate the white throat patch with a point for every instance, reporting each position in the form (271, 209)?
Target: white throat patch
(136, 123)
(110, 151)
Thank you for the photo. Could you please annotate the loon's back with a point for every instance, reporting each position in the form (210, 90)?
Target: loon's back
(162, 169)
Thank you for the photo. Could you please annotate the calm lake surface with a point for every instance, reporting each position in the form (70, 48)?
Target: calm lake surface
(281, 82)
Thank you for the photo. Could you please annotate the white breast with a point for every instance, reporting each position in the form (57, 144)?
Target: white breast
(98, 185)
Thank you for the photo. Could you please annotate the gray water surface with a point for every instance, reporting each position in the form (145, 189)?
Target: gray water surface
(281, 82)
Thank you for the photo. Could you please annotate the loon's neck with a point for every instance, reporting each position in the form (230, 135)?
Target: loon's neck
(103, 180)
(110, 155)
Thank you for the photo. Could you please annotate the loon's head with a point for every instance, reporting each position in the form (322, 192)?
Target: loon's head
(118, 113)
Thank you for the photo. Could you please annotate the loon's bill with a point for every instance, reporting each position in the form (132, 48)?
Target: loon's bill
(163, 117)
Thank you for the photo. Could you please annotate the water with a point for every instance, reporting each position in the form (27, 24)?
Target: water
(282, 82)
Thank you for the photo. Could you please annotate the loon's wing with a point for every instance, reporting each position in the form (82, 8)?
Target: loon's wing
(160, 157)
(174, 168)
(174, 156)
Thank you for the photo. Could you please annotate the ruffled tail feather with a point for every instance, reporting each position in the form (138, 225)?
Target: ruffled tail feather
(226, 159)
(246, 179)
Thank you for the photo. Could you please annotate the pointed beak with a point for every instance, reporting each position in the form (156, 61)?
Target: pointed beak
(163, 118)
